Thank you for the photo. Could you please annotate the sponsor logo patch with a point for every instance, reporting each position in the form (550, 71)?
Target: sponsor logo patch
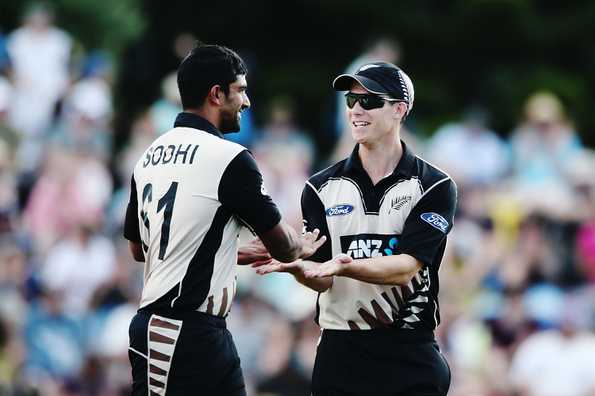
(339, 210)
(435, 220)
(369, 245)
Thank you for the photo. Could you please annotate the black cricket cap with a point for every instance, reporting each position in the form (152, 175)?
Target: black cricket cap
(381, 78)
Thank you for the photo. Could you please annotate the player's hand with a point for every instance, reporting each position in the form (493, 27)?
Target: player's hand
(296, 268)
(254, 253)
(334, 266)
(311, 243)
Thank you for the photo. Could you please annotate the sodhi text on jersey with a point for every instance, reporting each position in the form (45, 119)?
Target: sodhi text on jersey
(171, 154)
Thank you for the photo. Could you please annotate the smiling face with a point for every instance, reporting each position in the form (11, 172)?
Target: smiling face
(233, 105)
(373, 126)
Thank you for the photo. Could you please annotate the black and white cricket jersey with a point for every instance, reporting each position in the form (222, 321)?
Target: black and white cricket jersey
(408, 212)
(191, 193)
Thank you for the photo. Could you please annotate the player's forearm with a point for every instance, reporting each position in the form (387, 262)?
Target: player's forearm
(137, 251)
(385, 270)
(283, 243)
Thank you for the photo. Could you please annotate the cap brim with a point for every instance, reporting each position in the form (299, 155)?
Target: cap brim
(345, 81)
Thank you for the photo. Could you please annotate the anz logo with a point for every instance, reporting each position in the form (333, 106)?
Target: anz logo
(339, 210)
(369, 245)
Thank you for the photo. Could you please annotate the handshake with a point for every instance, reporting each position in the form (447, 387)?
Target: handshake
(257, 256)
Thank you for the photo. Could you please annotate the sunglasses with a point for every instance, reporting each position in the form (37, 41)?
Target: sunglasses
(367, 101)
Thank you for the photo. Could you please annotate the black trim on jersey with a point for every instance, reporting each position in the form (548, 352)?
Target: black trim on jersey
(195, 285)
(131, 229)
(314, 217)
(191, 120)
(241, 191)
(404, 168)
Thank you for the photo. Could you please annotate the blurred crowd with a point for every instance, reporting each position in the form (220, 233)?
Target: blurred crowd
(517, 281)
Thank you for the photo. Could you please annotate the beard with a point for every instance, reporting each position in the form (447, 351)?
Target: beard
(230, 122)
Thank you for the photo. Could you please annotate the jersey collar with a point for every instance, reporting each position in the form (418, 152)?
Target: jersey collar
(404, 167)
(190, 120)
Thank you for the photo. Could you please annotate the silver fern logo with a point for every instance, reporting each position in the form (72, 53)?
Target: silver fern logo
(398, 202)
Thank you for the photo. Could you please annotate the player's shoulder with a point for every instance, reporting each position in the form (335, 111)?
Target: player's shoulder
(430, 176)
(212, 144)
(320, 178)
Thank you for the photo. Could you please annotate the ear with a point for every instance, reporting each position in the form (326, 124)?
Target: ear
(400, 110)
(216, 95)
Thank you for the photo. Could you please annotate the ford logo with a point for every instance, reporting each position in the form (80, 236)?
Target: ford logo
(339, 210)
(436, 221)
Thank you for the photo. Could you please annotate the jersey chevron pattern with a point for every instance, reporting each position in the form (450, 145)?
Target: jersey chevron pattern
(410, 211)
(191, 192)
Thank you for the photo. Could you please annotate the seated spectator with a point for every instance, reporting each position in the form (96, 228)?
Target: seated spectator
(469, 150)
(77, 265)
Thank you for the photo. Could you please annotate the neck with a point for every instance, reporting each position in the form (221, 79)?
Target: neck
(209, 114)
(380, 159)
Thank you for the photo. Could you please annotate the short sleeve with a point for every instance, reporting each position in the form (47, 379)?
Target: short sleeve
(428, 224)
(242, 191)
(314, 216)
(131, 230)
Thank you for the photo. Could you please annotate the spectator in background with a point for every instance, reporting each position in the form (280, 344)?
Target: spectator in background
(471, 152)
(40, 56)
(14, 271)
(249, 322)
(9, 140)
(77, 266)
(162, 113)
(165, 110)
(543, 147)
(8, 135)
(81, 185)
(54, 341)
(84, 122)
(559, 361)
(281, 375)
(4, 58)
(285, 153)
(585, 237)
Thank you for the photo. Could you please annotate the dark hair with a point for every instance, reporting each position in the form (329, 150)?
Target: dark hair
(204, 67)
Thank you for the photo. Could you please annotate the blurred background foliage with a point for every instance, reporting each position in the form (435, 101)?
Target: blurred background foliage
(491, 52)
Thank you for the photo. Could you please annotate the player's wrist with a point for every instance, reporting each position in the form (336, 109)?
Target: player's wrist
(297, 269)
(344, 269)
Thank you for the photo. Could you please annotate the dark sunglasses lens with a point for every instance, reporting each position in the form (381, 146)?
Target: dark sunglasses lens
(367, 102)
(371, 102)
(350, 99)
